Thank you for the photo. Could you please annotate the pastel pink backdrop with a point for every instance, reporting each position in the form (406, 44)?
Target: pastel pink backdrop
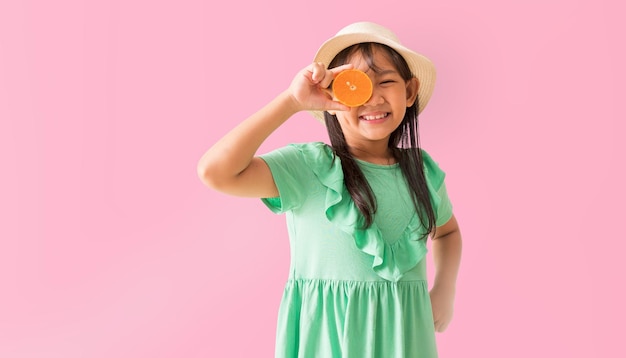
(111, 247)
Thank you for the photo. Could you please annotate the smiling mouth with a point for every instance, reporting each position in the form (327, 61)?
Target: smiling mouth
(374, 117)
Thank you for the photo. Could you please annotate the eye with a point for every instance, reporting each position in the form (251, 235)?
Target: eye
(387, 82)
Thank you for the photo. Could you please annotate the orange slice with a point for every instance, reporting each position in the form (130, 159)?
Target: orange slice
(352, 88)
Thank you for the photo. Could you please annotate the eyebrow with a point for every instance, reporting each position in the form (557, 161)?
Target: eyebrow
(386, 72)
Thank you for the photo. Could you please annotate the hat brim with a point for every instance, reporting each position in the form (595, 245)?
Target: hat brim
(421, 67)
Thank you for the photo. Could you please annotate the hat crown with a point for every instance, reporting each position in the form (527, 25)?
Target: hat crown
(369, 28)
(360, 32)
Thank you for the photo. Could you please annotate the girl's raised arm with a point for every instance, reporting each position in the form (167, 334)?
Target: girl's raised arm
(230, 165)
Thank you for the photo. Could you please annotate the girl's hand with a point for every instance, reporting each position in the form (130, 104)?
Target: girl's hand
(309, 88)
(442, 301)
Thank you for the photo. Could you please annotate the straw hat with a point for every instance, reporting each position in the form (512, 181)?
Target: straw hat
(359, 32)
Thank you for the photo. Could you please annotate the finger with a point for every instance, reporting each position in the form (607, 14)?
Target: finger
(336, 106)
(318, 72)
(332, 73)
(328, 79)
(307, 72)
(336, 70)
(438, 325)
(332, 105)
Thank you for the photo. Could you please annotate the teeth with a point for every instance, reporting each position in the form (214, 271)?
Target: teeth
(378, 116)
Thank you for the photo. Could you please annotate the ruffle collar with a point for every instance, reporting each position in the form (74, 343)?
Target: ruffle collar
(391, 260)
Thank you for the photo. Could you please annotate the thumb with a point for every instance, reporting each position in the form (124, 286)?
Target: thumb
(336, 106)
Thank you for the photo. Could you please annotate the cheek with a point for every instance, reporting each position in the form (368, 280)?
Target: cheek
(345, 116)
(402, 98)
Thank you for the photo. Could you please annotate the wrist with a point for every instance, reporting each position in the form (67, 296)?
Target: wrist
(290, 102)
(444, 285)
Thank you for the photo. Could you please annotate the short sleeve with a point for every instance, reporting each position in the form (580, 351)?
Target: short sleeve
(444, 209)
(291, 176)
(435, 179)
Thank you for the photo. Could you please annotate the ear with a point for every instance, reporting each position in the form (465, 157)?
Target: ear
(412, 86)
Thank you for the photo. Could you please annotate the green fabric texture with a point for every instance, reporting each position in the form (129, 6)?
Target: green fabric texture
(352, 292)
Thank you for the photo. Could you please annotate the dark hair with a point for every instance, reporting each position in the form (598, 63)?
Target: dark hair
(403, 143)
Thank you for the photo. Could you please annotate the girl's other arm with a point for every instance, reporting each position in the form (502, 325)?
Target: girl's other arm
(447, 259)
(230, 165)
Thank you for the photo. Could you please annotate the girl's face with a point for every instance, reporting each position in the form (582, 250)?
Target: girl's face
(382, 114)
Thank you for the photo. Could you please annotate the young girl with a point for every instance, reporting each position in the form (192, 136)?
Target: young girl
(359, 211)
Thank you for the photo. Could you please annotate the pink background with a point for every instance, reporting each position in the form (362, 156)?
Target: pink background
(111, 247)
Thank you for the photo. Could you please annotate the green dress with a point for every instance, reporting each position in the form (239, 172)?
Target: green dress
(351, 292)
